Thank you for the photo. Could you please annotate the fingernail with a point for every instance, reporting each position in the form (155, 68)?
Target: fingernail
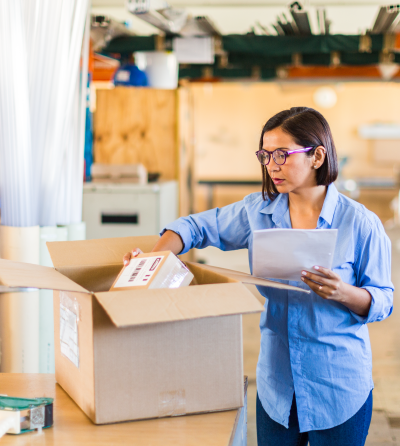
(302, 279)
(304, 273)
(316, 267)
(125, 262)
(134, 253)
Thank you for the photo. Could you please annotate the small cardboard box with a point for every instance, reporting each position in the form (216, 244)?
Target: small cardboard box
(153, 270)
(129, 355)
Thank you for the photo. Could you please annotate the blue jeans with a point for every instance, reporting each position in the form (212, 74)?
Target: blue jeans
(352, 432)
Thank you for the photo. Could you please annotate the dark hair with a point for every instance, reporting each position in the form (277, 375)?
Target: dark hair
(308, 128)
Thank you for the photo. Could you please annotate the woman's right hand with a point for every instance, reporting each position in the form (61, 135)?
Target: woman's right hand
(169, 241)
(130, 255)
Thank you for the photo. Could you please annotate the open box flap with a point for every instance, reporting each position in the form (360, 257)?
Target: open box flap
(240, 277)
(106, 251)
(140, 307)
(28, 275)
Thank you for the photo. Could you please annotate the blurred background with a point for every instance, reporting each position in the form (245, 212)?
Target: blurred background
(164, 104)
(240, 62)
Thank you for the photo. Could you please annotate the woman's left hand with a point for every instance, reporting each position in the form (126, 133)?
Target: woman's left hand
(329, 285)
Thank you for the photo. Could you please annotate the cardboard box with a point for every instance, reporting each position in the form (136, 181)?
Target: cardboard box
(153, 271)
(129, 355)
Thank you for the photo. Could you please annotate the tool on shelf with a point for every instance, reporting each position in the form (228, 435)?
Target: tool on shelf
(20, 415)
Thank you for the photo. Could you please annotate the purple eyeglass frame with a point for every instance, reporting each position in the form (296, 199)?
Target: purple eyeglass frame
(285, 152)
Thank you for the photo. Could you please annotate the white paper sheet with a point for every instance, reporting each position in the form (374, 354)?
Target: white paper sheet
(285, 253)
(194, 50)
(69, 335)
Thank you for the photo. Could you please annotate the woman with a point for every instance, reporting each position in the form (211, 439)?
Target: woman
(314, 377)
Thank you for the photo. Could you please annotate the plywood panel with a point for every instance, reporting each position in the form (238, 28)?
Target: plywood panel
(386, 151)
(379, 202)
(229, 118)
(185, 150)
(221, 195)
(137, 125)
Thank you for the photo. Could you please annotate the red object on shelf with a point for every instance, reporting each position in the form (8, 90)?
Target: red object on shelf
(104, 67)
(341, 71)
(397, 43)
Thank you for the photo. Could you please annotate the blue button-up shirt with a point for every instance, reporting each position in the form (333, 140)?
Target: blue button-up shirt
(310, 346)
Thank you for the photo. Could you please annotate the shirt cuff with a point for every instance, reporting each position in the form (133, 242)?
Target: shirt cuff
(183, 231)
(376, 309)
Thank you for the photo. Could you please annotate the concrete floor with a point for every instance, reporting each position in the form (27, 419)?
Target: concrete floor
(385, 341)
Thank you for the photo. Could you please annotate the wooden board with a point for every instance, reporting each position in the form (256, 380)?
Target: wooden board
(185, 150)
(72, 427)
(386, 151)
(229, 118)
(379, 202)
(137, 125)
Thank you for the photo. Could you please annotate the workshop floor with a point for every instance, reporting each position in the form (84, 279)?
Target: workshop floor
(385, 340)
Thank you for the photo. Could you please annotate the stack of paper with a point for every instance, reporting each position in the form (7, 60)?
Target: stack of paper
(285, 253)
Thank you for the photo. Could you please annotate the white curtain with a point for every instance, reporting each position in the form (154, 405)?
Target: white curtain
(43, 84)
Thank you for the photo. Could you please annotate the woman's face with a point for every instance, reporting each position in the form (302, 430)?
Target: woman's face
(298, 170)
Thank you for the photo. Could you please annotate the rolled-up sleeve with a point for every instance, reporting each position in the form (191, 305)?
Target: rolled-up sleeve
(373, 269)
(226, 228)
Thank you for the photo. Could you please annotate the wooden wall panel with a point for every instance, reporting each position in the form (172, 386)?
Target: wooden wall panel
(137, 125)
(185, 150)
(229, 118)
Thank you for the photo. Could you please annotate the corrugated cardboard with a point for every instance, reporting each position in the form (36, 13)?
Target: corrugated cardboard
(142, 353)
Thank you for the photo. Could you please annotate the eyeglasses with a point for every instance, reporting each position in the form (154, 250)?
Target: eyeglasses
(278, 155)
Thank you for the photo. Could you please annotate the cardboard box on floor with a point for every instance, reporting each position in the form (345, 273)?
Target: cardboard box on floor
(128, 355)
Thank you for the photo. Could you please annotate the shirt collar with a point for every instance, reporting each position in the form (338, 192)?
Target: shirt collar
(277, 208)
(280, 206)
(331, 199)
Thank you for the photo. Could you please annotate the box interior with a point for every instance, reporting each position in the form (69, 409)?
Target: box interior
(99, 278)
(94, 278)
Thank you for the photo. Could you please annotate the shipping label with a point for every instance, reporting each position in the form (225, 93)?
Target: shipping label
(139, 272)
(69, 334)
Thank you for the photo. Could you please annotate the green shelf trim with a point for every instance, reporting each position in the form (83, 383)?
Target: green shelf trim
(197, 72)
(193, 72)
(266, 52)
(273, 46)
(130, 44)
(284, 45)
(244, 59)
(316, 59)
(256, 59)
(359, 58)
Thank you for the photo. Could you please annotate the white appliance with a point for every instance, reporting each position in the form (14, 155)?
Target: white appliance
(161, 68)
(123, 210)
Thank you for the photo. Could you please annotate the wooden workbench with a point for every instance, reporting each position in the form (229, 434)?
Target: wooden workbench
(72, 427)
